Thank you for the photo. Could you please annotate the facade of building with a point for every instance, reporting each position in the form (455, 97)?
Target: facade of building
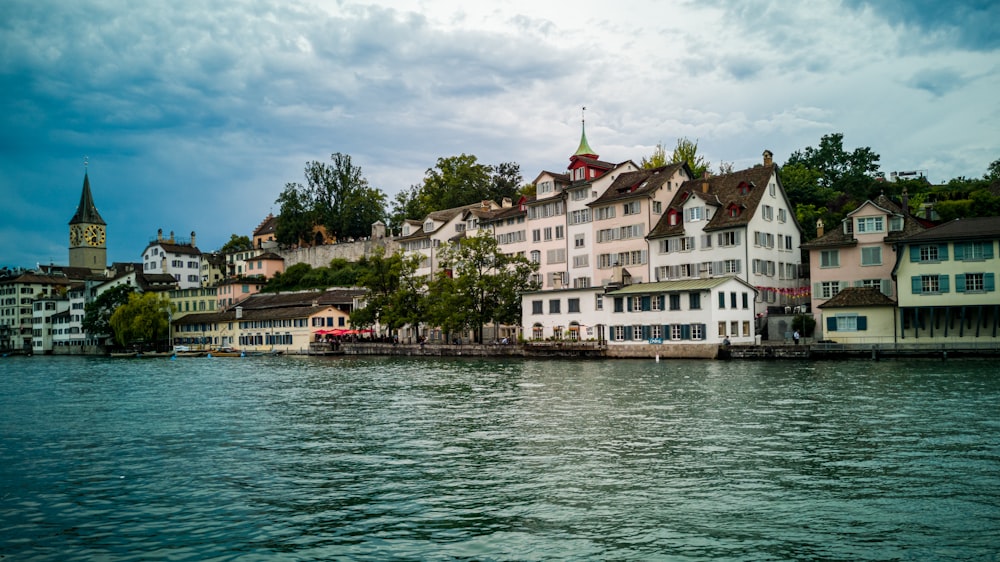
(860, 252)
(181, 259)
(17, 297)
(946, 277)
(739, 224)
(858, 315)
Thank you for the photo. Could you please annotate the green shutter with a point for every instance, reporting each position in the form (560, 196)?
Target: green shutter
(959, 278)
(645, 303)
(722, 300)
(988, 250)
(988, 282)
(628, 332)
(628, 304)
(943, 252)
(916, 286)
(645, 332)
(666, 331)
(914, 253)
(686, 332)
(959, 251)
(663, 302)
(619, 307)
(943, 283)
(831, 324)
(862, 323)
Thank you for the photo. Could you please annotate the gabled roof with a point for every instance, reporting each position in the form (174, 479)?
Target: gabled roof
(267, 226)
(680, 285)
(721, 191)
(443, 216)
(837, 238)
(639, 183)
(175, 248)
(86, 211)
(851, 297)
(974, 228)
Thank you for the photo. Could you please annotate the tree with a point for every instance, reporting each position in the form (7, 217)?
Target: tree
(657, 159)
(295, 219)
(144, 319)
(97, 313)
(993, 172)
(852, 173)
(236, 244)
(687, 151)
(478, 284)
(395, 294)
(505, 181)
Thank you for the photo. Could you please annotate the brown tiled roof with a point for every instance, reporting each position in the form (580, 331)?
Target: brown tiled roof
(267, 226)
(836, 237)
(502, 214)
(442, 216)
(639, 183)
(175, 248)
(975, 228)
(35, 278)
(858, 296)
(723, 191)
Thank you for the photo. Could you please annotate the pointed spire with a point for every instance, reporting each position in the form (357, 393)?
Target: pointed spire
(86, 211)
(584, 148)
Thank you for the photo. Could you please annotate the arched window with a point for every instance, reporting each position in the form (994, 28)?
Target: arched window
(537, 332)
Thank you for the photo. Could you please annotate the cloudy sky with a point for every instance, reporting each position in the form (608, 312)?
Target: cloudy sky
(194, 115)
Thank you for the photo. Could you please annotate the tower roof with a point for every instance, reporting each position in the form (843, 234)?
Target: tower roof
(86, 211)
(584, 148)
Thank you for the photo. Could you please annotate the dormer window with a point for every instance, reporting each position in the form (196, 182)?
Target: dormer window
(545, 187)
(734, 211)
(895, 224)
(744, 188)
(673, 217)
(429, 226)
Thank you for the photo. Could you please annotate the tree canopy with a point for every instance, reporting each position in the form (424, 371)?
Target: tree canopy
(97, 313)
(237, 244)
(143, 320)
(336, 196)
(453, 182)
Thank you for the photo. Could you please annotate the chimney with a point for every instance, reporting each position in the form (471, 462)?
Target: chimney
(704, 183)
(507, 203)
(159, 235)
(906, 202)
(485, 205)
(768, 158)
(192, 239)
(819, 228)
(171, 237)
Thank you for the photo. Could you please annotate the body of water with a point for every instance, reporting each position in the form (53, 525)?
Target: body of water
(296, 458)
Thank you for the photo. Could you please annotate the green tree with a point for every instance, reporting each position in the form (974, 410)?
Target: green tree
(237, 244)
(296, 218)
(143, 320)
(657, 159)
(97, 313)
(342, 200)
(478, 284)
(853, 173)
(396, 295)
(687, 151)
(993, 172)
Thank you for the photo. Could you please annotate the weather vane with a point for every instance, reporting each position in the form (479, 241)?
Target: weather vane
(583, 114)
(85, 159)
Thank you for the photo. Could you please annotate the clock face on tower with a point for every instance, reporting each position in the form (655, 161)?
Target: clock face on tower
(93, 235)
(75, 235)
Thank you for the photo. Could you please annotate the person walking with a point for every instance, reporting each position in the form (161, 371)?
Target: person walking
(795, 337)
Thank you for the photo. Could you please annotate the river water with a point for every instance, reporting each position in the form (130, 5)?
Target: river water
(297, 458)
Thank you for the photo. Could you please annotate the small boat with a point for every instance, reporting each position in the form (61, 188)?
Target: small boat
(226, 352)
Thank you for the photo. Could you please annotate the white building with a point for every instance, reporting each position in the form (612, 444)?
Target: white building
(181, 259)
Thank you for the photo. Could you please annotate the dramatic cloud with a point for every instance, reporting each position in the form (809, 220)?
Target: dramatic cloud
(195, 115)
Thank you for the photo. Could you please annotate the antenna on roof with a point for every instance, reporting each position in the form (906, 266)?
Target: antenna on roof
(85, 162)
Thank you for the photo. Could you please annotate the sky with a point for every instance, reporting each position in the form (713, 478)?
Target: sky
(192, 116)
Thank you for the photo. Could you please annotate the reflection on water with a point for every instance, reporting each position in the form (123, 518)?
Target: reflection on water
(308, 458)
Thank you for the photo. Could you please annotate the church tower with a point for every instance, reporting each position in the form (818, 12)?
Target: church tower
(87, 234)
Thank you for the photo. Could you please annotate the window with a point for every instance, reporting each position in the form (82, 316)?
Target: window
(536, 307)
(746, 328)
(536, 256)
(782, 215)
(746, 301)
(656, 331)
(673, 218)
(545, 187)
(675, 301)
(975, 283)
(658, 207)
(847, 322)
(536, 235)
(537, 332)
(583, 260)
(619, 333)
(974, 251)
(870, 224)
(930, 284)
(697, 331)
(929, 253)
(734, 328)
(631, 208)
(578, 241)
(727, 239)
(693, 214)
(604, 213)
(722, 329)
(896, 224)
(722, 301)
(579, 217)
(573, 305)
(636, 332)
(548, 233)
(767, 212)
(598, 302)
(581, 282)
(731, 266)
(694, 301)
(829, 258)
(871, 255)
(829, 289)
(636, 303)
(554, 306)
(555, 256)
(429, 226)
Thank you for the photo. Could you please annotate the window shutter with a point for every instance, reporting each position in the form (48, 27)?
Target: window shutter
(959, 252)
(914, 253)
(666, 331)
(704, 333)
(722, 300)
(628, 332)
(943, 283)
(645, 303)
(831, 324)
(817, 289)
(618, 304)
(915, 285)
(645, 332)
(988, 250)
(862, 323)
(959, 278)
(844, 285)
(988, 282)
(886, 287)
(628, 303)
(686, 332)
(663, 302)
(943, 252)
(859, 283)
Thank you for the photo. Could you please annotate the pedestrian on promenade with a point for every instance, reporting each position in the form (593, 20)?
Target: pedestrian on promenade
(795, 337)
